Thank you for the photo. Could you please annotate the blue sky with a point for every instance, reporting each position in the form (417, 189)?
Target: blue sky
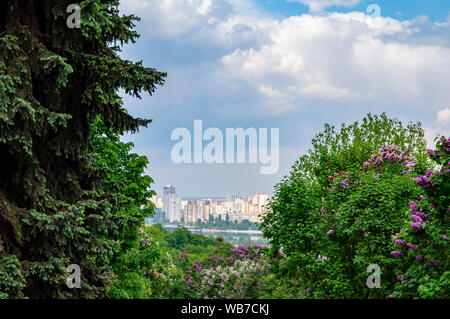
(292, 65)
(436, 10)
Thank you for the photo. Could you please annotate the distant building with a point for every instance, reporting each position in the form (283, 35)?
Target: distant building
(171, 204)
(206, 211)
(234, 209)
(192, 212)
(160, 203)
(232, 197)
(259, 199)
(159, 217)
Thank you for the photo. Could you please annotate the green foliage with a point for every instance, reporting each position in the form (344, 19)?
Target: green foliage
(180, 238)
(12, 279)
(123, 173)
(291, 223)
(131, 286)
(362, 217)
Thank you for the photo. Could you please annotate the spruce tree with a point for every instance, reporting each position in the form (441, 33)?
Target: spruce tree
(54, 79)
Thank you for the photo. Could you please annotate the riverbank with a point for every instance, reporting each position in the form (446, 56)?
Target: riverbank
(214, 230)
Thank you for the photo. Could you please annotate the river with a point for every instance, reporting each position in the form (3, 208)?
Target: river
(236, 237)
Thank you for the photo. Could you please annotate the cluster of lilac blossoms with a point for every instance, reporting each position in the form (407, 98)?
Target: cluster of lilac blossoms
(419, 218)
(390, 153)
(419, 223)
(425, 181)
(145, 239)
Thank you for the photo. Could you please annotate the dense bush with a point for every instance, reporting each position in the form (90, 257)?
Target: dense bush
(422, 244)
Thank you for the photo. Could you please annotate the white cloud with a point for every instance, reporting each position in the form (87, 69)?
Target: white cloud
(343, 56)
(316, 6)
(443, 117)
(174, 18)
(349, 57)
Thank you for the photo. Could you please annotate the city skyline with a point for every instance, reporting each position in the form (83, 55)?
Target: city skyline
(234, 208)
(204, 197)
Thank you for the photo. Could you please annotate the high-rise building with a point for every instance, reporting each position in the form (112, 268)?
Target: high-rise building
(207, 210)
(259, 199)
(192, 212)
(232, 197)
(171, 204)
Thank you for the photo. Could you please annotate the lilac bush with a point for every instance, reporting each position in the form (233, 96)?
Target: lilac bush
(422, 244)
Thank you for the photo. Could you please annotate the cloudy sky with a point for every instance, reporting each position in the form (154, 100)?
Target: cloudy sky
(287, 64)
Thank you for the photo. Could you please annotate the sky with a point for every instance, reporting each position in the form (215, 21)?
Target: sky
(293, 65)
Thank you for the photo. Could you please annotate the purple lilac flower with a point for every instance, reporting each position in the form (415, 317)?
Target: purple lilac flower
(410, 165)
(330, 232)
(422, 181)
(422, 215)
(397, 253)
(416, 225)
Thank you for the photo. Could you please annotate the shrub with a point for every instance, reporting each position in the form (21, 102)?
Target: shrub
(422, 243)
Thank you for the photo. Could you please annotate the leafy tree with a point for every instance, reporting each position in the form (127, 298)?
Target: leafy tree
(55, 205)
(333, 216)
(128, 187)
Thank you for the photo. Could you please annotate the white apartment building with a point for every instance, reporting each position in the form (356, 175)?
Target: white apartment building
(171, 204)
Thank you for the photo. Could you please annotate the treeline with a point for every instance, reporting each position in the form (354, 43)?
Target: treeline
(180, 239)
